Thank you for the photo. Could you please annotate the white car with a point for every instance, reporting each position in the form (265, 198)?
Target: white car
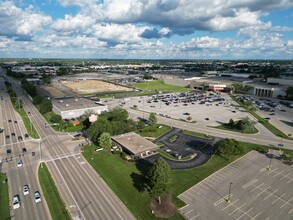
(16, 202)
(37, 197)
(19, 163)
(26, 190)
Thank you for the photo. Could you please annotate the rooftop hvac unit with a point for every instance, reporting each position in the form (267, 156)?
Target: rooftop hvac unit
(76, 100)
(66, 105)
(61, 101)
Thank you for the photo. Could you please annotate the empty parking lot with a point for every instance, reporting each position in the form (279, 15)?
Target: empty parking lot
(256, 191)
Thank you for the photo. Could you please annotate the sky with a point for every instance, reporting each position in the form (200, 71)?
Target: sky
(147, 29)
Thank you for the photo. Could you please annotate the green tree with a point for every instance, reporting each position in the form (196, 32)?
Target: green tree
(45, 106)
(105, 140)
(159, 177)
(147, 76)
(97, 128)
(37, 99)
(55, 118)
(153, 119)
(289, 93)
(228, 147)
(116, 114)
(244, 124)
(231, 123)
(240, 88)
(140, 125)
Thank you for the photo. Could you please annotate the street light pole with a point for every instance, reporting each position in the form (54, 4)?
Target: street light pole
(229, 196)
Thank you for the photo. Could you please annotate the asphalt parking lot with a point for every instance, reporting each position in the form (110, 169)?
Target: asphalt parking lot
(184, 145)
(205, 113)
(256, 191)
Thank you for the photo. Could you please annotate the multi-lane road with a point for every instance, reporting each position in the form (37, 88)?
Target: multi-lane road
(85, 194)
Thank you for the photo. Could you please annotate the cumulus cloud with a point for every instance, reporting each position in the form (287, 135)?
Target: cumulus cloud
(15, 21)
(209, 15)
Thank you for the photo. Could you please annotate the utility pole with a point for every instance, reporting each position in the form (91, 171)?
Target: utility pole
(229, 196)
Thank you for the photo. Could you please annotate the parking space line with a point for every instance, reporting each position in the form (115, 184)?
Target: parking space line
(221, 175)
(232, 203)
(186, 213)
(272, 171)
(256, 216)
(290, 180)
(270, 194)
(286, 176)
(194, 217)
(263, 191)
(279, 198)
(290, 211)
(238, 208)
(262, 169)
(268, 218)
(202, 185)
(286, 203)
(186, 197)
(257, 187)
(222, 199)
(278, 173)
(195, 191)
(245, 213)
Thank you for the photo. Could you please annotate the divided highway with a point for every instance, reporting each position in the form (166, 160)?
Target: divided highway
(85, 194)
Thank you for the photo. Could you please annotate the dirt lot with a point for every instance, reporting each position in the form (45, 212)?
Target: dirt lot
(92, 86)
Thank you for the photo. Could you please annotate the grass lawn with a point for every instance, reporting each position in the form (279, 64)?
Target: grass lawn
(121, 94)
(173, 138)
(4, 198)
(54, 201)
(225, 127)
(147, 132)
(160, 86)
(263, 121)
(198, 134)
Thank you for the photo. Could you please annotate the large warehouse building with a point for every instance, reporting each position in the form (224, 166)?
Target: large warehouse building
(69, 108)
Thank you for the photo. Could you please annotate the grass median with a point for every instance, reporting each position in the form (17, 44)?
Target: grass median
(51, 194)
(198, 134)
(4, 198)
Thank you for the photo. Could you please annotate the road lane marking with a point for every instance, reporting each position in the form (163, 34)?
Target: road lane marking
(102, 191)
(63, 180)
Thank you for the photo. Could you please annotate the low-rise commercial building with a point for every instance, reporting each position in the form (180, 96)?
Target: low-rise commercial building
(69, 108)
(134, 144)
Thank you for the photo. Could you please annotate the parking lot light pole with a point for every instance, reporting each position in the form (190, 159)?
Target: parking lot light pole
(229, 196)
(270, 165)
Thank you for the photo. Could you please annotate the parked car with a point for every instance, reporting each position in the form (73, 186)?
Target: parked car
(19, 138)
(37, 197)
(24, 150)
(19, 163)
(16, 202)
(26, 135)
(26, 190)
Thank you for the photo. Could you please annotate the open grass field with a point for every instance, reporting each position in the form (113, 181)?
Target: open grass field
(157, 132)
(4, 198)
(160, 86)
(54, 201)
